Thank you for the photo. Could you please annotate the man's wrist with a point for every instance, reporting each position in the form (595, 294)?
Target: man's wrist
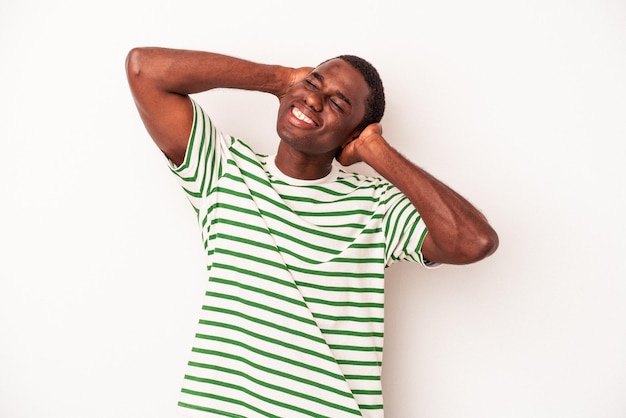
(279, 80)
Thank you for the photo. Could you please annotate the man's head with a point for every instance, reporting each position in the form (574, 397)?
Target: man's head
(375, 103)
(331, 106)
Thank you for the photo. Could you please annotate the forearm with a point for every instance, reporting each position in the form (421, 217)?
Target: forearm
(458, 232)
(187, 72)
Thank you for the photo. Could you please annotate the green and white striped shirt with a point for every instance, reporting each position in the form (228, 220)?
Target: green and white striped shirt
(292, 319)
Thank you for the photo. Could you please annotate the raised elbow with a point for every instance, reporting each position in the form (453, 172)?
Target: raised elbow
(133, 62)
(474, 248)
(488, 245)
(482, 246)
(460, 249)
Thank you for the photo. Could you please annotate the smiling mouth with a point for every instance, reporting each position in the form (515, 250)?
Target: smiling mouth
(301, 116)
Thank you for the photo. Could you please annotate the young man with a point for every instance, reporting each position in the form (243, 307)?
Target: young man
(292, 321)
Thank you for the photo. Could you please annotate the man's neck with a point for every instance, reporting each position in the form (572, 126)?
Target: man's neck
(302, 166)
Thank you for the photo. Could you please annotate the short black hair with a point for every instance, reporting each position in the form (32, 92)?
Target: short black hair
(375, 103)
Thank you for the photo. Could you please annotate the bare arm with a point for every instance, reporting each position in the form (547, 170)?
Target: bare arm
(161, 81)
(458, 232)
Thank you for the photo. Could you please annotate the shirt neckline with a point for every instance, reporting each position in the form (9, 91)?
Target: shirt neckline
(279, 175)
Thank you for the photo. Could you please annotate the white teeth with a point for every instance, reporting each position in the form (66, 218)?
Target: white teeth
(301, 116)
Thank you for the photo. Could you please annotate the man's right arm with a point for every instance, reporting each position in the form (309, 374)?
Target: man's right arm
(161, 81)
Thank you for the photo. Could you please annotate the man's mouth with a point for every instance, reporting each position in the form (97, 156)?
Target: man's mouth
(301, 116)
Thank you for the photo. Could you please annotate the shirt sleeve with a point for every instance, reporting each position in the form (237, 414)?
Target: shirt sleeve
(404, 229)
(203, 162)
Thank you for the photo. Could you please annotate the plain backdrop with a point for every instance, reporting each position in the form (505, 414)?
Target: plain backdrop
(518, 105)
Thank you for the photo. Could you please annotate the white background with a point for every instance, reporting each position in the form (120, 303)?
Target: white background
(519, 105)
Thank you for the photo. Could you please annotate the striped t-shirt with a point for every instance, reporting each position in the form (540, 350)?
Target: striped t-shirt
(292, 318)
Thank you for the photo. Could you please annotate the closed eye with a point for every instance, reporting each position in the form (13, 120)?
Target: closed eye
(337, 105)
(312, 84)
(335, 102)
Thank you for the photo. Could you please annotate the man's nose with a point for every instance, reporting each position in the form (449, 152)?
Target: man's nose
(314, 102)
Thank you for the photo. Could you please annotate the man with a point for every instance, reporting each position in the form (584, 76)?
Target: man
(292, 321)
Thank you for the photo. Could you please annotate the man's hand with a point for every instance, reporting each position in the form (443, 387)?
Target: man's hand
(357, 150)
(297, 74)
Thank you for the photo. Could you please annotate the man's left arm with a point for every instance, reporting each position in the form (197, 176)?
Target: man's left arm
(458, 233)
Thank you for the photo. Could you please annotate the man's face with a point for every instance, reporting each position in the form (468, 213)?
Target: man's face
(320, 113)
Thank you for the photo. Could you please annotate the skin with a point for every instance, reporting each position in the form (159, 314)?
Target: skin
(317, 121)
(317, 117)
